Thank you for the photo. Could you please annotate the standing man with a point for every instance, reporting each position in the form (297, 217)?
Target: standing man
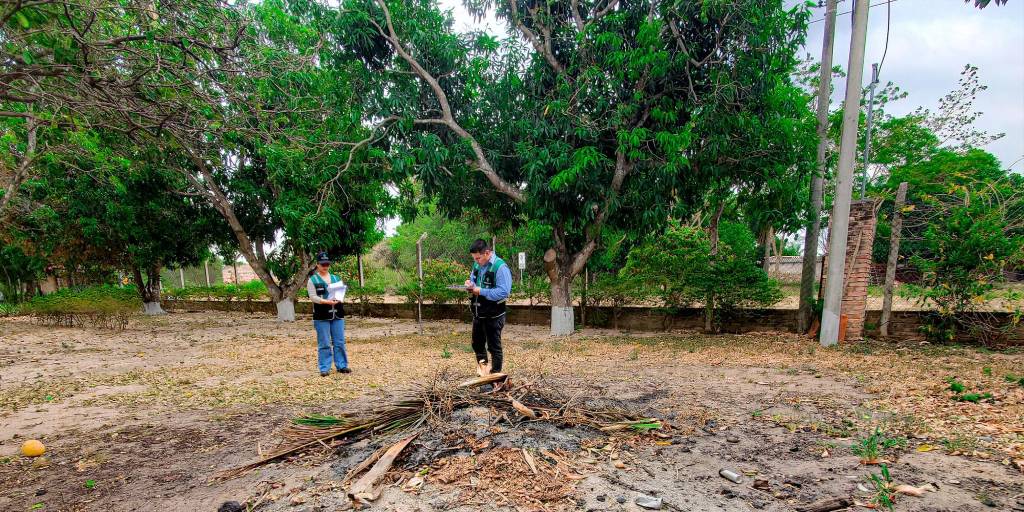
(489, 284)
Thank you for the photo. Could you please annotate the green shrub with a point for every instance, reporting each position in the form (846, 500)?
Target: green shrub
(438, 275)
(376, 281)
(535, 289)
(101, 306)
(615, 291)
(679, 270)
(253, 290)
(968, 243)
(9, 309)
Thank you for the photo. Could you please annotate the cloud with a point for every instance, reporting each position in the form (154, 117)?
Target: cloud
(929, 44)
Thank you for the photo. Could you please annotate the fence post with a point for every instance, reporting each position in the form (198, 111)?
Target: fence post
(419, 272)
(894, 253)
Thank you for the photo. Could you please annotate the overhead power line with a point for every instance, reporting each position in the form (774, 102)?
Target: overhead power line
(848, 12)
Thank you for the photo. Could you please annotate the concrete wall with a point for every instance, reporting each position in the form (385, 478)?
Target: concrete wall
(791, 268)
(905, 325)
(245, 273)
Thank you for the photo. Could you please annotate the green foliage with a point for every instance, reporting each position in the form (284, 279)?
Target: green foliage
(973, 397)
(870, 448)
(438, 275)
(375, 281)
(681, 270)
(318, 421)
(9, 309)
(253, 290)
(884, 494)
(972, 237)
(535, 289)
(16, 268)
(1015, 379)
(101, 306)
(594, 136)
(959, 395)
(447, 238)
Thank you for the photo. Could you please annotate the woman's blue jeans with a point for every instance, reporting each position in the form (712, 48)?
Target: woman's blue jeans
(330, 342)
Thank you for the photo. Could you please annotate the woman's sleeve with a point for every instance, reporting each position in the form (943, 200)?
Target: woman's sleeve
(311, 291)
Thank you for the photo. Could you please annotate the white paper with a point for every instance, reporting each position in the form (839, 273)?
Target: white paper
(336, 291)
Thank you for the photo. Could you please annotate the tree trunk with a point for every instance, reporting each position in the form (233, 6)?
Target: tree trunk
(778, 258)
(563, 321)
(817, 181)
(894, 253)
(713, 227)
(769, 241)
(21, 169)
(149, 289)
(709, 301)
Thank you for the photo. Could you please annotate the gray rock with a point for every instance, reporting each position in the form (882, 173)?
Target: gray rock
(620, 499)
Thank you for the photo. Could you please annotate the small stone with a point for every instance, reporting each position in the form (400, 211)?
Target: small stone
(649, 502)
(619, 465)
(953, 482)
(230, 506)
(40, 492)
(761, 483)
(601, 497)
(733, 440)
(795, 449)
(620, 499)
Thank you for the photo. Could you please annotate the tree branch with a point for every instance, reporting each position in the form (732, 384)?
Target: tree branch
(482, 163)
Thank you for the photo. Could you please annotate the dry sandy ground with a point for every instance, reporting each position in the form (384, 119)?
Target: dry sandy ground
(141, 419)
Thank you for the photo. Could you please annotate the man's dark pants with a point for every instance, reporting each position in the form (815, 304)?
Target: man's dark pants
(487, 338)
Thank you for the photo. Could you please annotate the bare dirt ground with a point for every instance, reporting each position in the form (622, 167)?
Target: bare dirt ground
(142, 419)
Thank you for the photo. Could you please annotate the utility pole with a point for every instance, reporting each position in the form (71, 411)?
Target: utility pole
(867, 132)
(817, 181)
(844, 181)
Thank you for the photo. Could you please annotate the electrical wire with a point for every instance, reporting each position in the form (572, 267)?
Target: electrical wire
(888, 23)
(848, 12)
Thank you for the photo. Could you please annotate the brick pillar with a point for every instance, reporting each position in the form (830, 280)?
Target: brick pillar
(858, 267)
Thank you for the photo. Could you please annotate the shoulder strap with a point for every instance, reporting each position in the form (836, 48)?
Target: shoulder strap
(317, 279)
(498, 262)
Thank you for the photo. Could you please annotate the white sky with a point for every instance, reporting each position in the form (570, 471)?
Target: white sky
(930, 41)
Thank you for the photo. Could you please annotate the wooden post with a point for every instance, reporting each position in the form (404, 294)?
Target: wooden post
(181, 274)
(419, 273)
(359, 262)
(583, 300)
(894, 253)
(206, 268)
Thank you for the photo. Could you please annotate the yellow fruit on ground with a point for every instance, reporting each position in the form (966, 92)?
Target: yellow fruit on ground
(32, 448)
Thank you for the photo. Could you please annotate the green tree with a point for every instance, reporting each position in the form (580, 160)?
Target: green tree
(584, 127)
(117, 207)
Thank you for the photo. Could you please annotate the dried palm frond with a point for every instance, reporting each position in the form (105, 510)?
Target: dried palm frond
(433, 404)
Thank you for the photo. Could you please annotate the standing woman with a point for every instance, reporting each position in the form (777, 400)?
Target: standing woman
(328, 318)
